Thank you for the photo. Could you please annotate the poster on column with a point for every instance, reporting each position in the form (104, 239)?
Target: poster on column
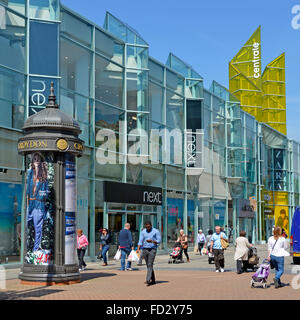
(175, 217)
(40, 208)
(70, 210)
(282, 210)
(282, 218)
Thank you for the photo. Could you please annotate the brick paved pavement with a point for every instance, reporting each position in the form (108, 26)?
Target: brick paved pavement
(196, 279)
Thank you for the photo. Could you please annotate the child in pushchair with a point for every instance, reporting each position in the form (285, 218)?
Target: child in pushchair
(261, 275)
(176, 254)
(252, 261)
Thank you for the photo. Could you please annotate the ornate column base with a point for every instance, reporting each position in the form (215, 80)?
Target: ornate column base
(49, 275)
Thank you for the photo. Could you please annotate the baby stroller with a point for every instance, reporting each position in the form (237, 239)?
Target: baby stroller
(176, 254)
(261, 275)
(253, 259)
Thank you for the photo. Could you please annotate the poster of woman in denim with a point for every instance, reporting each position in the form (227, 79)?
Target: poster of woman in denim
(39, 218)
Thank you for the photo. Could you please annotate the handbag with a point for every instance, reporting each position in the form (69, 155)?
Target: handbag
(224, 244)
(272, 266)
(253, 260)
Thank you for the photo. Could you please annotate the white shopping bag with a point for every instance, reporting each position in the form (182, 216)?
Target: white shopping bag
(118, 255)
(133, 256)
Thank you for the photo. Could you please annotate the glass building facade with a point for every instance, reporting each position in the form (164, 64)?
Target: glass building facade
(105, 78)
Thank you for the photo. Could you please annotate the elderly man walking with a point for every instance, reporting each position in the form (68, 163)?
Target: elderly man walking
(217, 249)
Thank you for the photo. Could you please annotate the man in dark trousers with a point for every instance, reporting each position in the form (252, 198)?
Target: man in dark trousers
(149, 240)
(125, 244)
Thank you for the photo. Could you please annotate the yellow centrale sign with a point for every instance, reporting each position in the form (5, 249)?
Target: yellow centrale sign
(274, 100)
(245, 76)
(262, 94)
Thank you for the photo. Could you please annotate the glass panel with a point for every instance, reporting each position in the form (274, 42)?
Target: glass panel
(109, 82)
(175, 219)
(122, 31)
(17, 5)
(194, 114)
(156, 100)
(39, 91)
(174, 82)
(76, 29)
(75, 67)
(174, 111)
(153, 176)
(78, 107)
(137, 57)
(109, 171)
(107, 46)
(8, 154)
(12, 92)
(156, 72)
(108, 117)
(194, 89)
(43, 38)
(116, 27)
(10, 220)
(82, 112)
(12, 38)
(44, 9)
(137, 121)
(137, 84)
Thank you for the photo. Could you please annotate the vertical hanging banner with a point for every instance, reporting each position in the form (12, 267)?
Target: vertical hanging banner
(40, 208)
(70, 210)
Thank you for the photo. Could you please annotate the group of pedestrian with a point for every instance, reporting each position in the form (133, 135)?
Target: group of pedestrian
(150, 239)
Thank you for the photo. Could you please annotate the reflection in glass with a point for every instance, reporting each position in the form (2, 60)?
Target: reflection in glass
(12, 92)
(75, 28)
(44, 9)
(156, 71)
(12, 38)
(74, 67)
(137, 57)
(109, 82)
(137, 93)
(174, 110)
(107, 46)
(108, 117)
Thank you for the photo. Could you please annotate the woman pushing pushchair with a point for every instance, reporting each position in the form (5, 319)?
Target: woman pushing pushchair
(183, 239)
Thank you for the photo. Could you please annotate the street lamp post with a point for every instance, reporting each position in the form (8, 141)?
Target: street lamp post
(50, 146)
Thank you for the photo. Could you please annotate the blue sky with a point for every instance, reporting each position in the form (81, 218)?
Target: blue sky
(208, 34)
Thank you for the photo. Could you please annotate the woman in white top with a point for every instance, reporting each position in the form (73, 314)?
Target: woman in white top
(276, 247)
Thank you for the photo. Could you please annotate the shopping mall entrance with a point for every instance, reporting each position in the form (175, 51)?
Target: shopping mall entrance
(130, 203)
(135, 215)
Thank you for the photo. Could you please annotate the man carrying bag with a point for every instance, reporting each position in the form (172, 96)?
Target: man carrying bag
(218, 250)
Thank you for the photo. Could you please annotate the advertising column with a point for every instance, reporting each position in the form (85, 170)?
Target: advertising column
(70, 210)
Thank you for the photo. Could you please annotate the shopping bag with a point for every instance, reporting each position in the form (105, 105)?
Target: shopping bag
(118, 255)
(224, 244)
(204, 251)
(133, 256)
